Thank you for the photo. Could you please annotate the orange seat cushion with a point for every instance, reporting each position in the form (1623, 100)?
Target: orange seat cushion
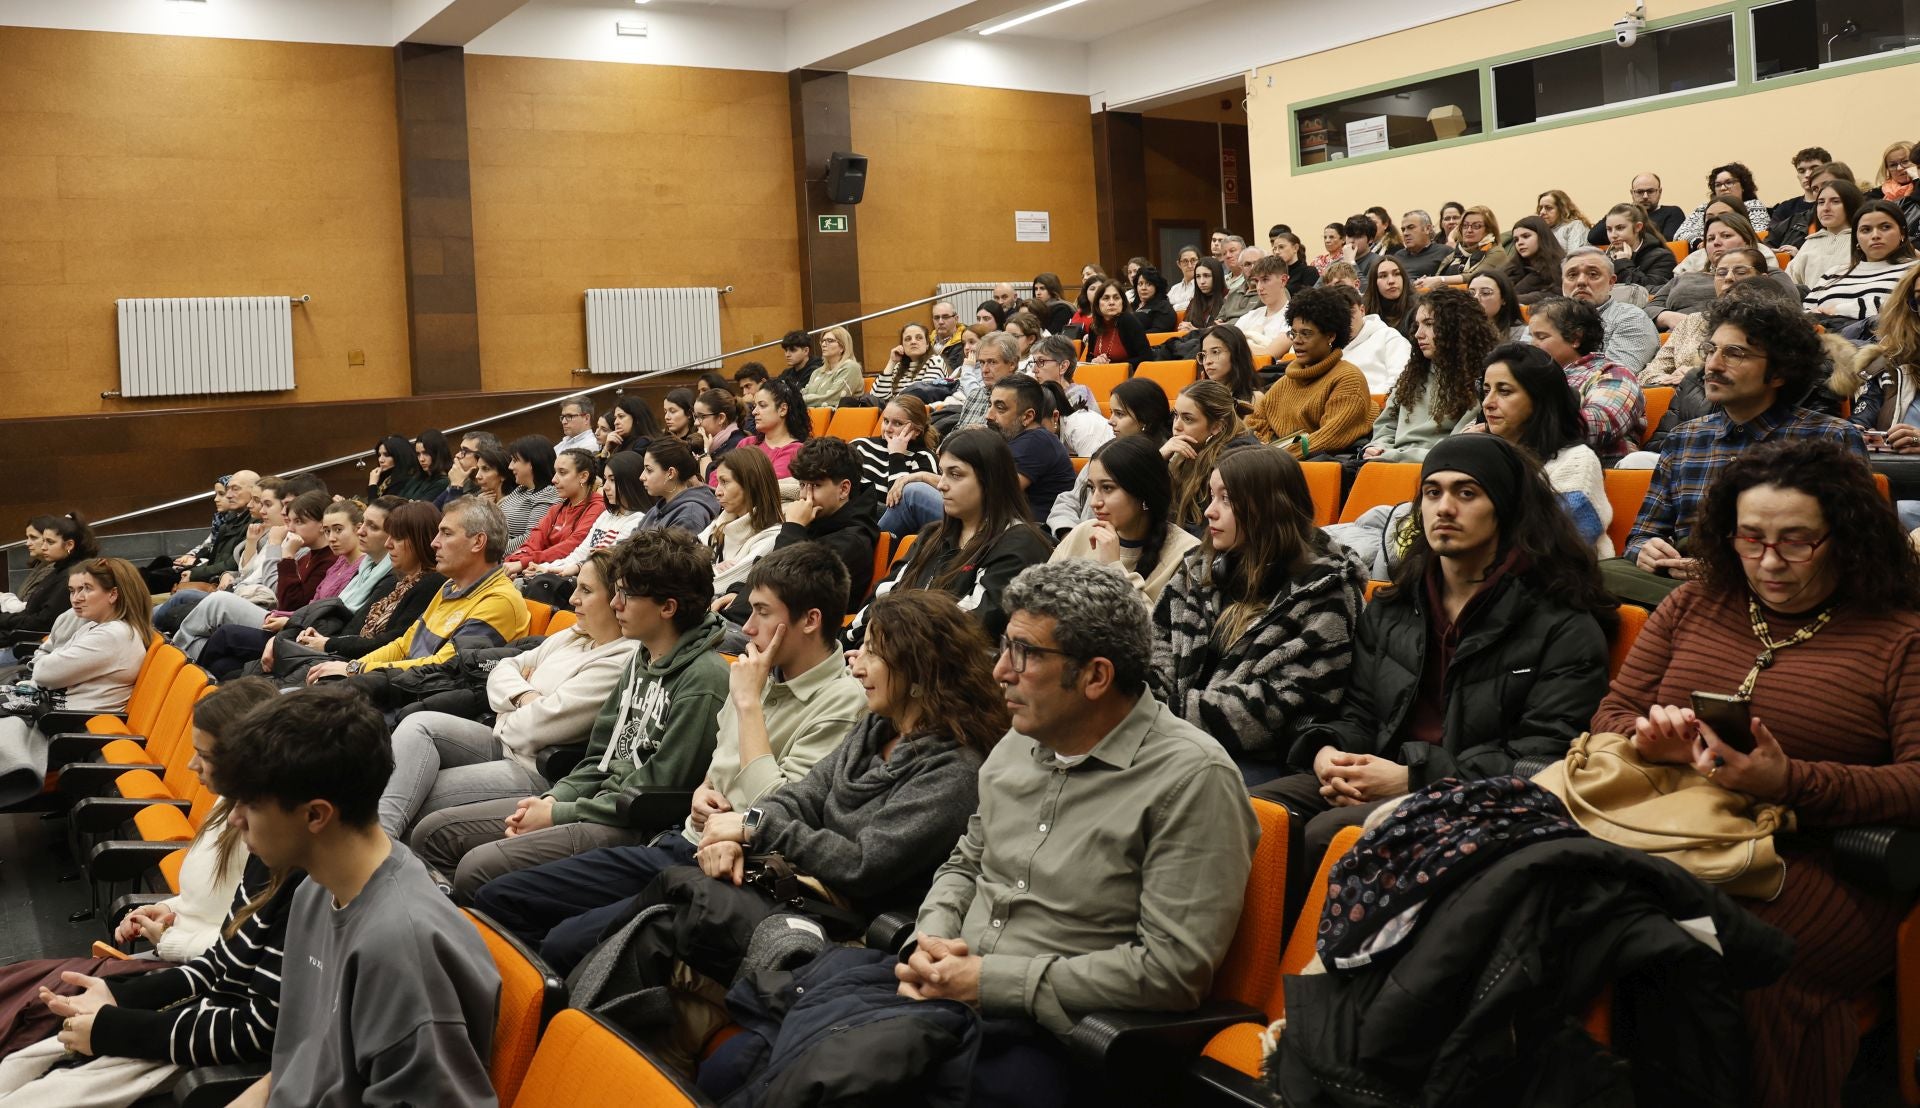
(170, 868)
(126, 752)
(108, 725)
(1238, 1046)
(142, 784)
(162, 823)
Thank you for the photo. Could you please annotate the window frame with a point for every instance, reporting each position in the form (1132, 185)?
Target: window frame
(1690, 19)
(1823, 69)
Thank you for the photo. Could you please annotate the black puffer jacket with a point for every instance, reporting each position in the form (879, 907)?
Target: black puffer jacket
(1651, 267)
(45, 600)
(1525, 680)
(228, 531)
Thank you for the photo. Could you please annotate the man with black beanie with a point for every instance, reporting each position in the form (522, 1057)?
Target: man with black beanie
(1487, 649)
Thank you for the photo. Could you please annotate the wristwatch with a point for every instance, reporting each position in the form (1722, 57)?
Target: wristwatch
(750, 825)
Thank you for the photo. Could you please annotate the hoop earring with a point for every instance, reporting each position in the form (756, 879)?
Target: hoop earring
(914, 692)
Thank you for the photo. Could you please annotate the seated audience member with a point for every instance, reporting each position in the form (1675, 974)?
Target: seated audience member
(545, 697)
(749, 521)
(1152, 308)
(1082, 430)
(286, 655)
(984, 536)
(477, 605)
(1138, 406)
(1895, 177)
(1645, 192)
(1378, 350)
(1363, 244)
(401, 469)
(676, 421)
(1025, 328)
(1321, 404)
(1020, 412)
(622, 492)
(1568, 223)
(1436, 395)
(781, 424)
(1448, 230)
(304, 775)
(1181, 294)
(748, 378)
(1225, 358)
(1266, 326)
(1829, 246)
(1733, 183)
(1253, 639)
(531, 494)
(680, 498)
(565, 525)
(1114, 333)
(1502, 308)
(1612, 406)
(1205, 424)
(634, 425)
(1683, 353)
(1131, 529)
(796, 350)
(1390, 295)
(256, 571)
(995, 355)
(1627, 336)
(1421, 253)
(1300, 273)
(946, 337)
(991, 314)
(1056, 310)
(838, 375)
(1534, 269)
(1882, 254)
(716, 419)
(1386, 238)
(87, 664)
(1209, 296)
(1144, 810)
(1485, 650)
(603, 426)
(656, 728)
(1242, 296)
(1801, 558)
(576, 426)
(1478, 251)
(1009, 300)
(1692, 286)
(834, 511)
(436, 458)
(1054, 360)
(1333, 242)
(790, 704)
(212, 556)
(904, 445)
(55, 546)
(463, 477)
(318, 575)
(1639, 255)
(1529, 404)
(1763, 358)
(1789, 221)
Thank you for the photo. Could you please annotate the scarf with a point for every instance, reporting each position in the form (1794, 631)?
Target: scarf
(381, 610)
(1891, 191)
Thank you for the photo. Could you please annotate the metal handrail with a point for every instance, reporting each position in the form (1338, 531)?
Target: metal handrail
(560, 394)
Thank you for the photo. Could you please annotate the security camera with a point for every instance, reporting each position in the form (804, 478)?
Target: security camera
(1626, 29)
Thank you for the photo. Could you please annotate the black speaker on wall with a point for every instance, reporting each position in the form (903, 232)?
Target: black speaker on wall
(846, 177)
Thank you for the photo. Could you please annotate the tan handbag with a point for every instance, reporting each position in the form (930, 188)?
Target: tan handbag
(1724, 838)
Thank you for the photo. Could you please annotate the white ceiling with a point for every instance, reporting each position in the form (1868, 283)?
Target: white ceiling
(1096, 19)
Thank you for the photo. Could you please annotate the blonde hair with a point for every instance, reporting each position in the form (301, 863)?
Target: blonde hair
(1880, 174)
(845, 338)
(1568, 209)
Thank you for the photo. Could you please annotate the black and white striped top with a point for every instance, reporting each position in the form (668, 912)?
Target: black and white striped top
(1856, 293)
(901, 372)
(219, 1008)
(879, 466)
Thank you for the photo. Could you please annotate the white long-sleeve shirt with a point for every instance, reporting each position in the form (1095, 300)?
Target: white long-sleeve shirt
(206, 892)
(572, 679)
(93, 663)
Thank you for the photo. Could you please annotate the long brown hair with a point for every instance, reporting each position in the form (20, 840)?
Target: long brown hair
(1273, 513)
(925, 437)
(134, 605)
(946, 662)
(1002, 506)
(1190, 477)
(216, 712)
(1462, 336)
(753, 472)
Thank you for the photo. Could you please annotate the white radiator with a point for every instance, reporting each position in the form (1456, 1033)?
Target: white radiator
(967, 303)
(638, 330)
(205, 345)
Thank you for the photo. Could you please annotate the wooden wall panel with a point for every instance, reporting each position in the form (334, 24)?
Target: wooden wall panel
(1183, 169)
(948, 166)
(595, 174)
(142, 165)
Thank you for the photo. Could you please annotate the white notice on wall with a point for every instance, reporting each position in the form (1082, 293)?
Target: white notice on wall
(1032, 227)
(1367, 136)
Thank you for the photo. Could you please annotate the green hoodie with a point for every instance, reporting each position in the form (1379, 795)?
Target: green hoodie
(666, 714)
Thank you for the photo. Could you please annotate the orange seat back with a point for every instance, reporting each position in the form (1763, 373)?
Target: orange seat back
(1253, 961)
(150, 688)
(530, 993)
(539, 616)
(170, 868)
(1626, 488)
(173, 724)
(821, 417)
(1659, 399)
(900, 552)
(1323, 481)
(1170, 376)
(1885, 486)
(180, 780)
(1156, 338)
(882, 558)
(584, 1063)
(1371, 587)
(1079, 463)
(849, 424)
(1380, 483)
(1632, 619)
(563, 618)
(1680, 251)
(1100, 380)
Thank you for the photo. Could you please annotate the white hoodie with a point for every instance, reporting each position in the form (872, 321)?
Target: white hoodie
(1381, 353)
(572, 678)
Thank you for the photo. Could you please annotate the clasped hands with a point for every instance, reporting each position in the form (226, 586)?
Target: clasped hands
(1349, 779)
(940, 969)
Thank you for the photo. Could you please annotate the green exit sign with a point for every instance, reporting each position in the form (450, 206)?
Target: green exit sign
(833, 224)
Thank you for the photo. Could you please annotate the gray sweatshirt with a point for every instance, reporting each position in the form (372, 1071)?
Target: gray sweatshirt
(388, 1001)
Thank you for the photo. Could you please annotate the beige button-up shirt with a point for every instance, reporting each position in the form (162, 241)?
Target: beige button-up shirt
(1114, 883)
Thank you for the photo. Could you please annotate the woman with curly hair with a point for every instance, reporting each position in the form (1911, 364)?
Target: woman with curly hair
(781, 424)
(1803, 562)
(1733, 183)
(1321, 404)
(1439, 392)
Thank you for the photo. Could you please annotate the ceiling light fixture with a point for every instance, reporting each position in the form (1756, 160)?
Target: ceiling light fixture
(1017, 20)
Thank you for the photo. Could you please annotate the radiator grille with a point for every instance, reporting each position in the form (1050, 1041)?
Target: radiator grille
(638, 330)
(205, 345)
(967, 296)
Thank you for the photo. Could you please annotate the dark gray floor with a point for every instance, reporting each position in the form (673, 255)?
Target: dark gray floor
(34, 904)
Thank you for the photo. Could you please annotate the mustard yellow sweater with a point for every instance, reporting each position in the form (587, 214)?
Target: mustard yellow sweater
(1328, 400)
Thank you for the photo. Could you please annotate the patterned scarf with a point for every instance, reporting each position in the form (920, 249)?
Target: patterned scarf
(381, 610)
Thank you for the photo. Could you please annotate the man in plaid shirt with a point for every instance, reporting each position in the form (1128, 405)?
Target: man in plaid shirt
(1762, 359)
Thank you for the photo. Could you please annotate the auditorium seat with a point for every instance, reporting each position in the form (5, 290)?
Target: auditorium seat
(1680, 251)
(1159, 338)
(539, 616)
(1100, 380)
(1632, 619)
(1626, 489)
(853, 423)
(1659, 399)
(530, 995)
(563, 618)
(583, 1062)
(821, 417)
(1323, 482)
(1380, 483)
(1170, 376)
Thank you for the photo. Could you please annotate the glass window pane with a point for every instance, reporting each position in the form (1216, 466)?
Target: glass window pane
(1671, 60)
(1802, 35)
(1410, 112)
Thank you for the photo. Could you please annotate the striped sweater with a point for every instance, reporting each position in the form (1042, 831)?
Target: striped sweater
(879, 466)
(1856, 292)
(219, 1008)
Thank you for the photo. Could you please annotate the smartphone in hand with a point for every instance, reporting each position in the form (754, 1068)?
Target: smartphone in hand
(1730, 717)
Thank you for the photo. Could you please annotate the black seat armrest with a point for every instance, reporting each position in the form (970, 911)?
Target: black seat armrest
(1527, 767)
(1880, 857)
(1215, 1082)
(1141, 1051)
(216, 1086)
(555, 762)
(652, 808)
(890, 931)
(86, 779)
(126, 859)
(99, 814)
(57, 722)
(80, 746)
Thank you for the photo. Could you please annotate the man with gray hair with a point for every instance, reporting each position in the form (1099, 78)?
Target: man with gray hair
(576, 426)
(1106, 864)
(1243, 297)
(1421, 255)
(1627, 335)
(1236, 273)
(477, 606)
(995, 355)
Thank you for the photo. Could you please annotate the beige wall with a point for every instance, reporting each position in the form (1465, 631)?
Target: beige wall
(602, 175)
(949, 166)
(143, 165)
(1592, 161)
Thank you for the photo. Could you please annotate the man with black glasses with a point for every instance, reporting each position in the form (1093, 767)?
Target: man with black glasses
(576, 427)
(947, 337)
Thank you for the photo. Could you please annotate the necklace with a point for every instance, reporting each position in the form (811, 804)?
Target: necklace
(1769, 646)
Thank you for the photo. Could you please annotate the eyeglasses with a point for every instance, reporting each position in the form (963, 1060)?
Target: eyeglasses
(941, 317)
(1736, 271)
(1731, 353)
(1726, 182)
(1018, 652)
(565, 416)
(1793, 551)
(463, 452)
